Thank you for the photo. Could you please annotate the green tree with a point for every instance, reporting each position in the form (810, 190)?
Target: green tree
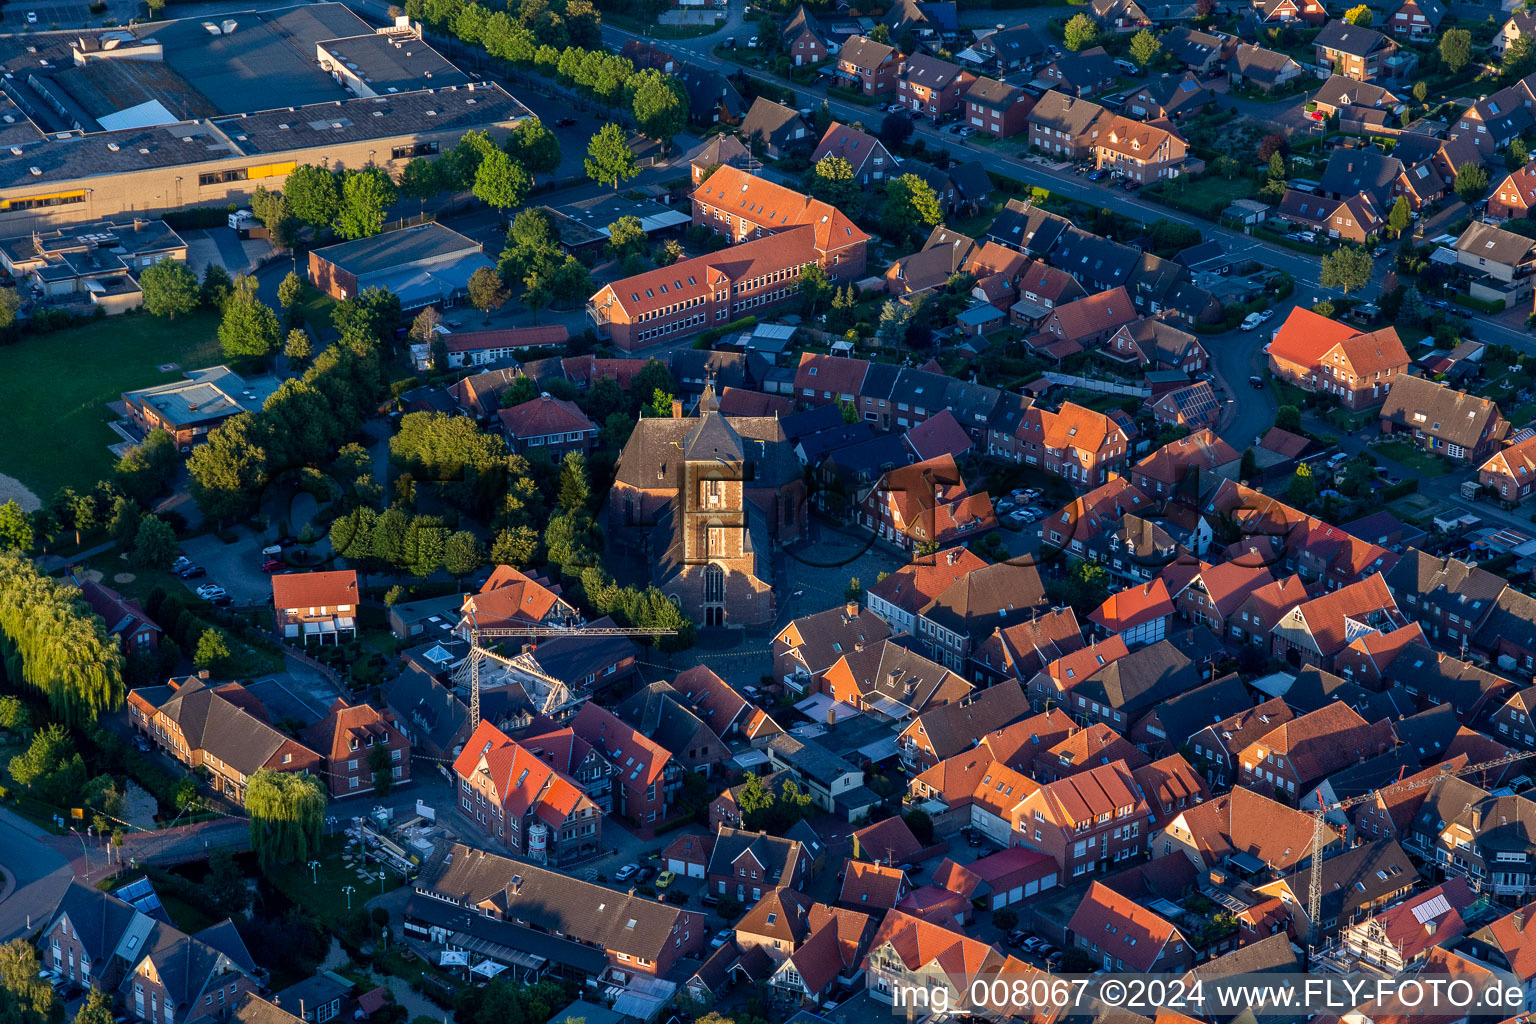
(535, 147)
(212, 651)
(290, 292)
(487, 292)
(1288, 417)
(229, 469)
(609, 158)
(463, 554)
(14, 716)
(1348, 268)
(1519, 58)
(421, 179)
(154, 547)
(1276, 166)
(297, 348)
(659, 105)
(910, 204)
(575, 488)
(1080, 33)
(287, 812)
(249, 329)
(1401, 217)
(626, 237)
(217, 286)
(516, 546)
(383, 777)
(25, 997)
(50, 767)
(833, 180)
(1360, 15)
(501, 182)
(1471, 182)
(1144, 47)
(148, 467)
(1455, 48)
(10, 305)
(16, 532)
(1420, 91)
(313, 195)
(97, 1009)
(815, 288)
(169, 288)
(366, 197)
(1302, 490)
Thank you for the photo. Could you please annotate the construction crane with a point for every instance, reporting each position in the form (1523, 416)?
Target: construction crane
(477, 651)
(1315, 889)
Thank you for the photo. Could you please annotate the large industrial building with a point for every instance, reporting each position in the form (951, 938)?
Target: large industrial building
(121, 122)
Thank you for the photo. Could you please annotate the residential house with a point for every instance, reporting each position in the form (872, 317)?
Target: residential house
(1119, 15)
(901, 595)
(221, 729)
(941, 732)
(1193, 407)
(364, 750)
(124, 617)
(1311, 12)
(808, 647)
(966, 613)
(744, 864)
(1061, 125)
(1168, 97)
(1354, 51)
(1266, 70)
(891, 682)
(1085, 323)
(1438, 418)
(870, 67)
(1200, 52)
(649, 776)
(805, 40)
(1355, 884)
(1021, 649)
(1086, 822)
(720, 151)
(1213, 596)
(1500, 262)
(1245, 829)
(997, 108)
(1449, 598)
(1318, 354)
(548, 423)
(1514, 196)
(1418, 19)
(1085, 73)
(932, 87)
(867, 155)
(1006, 50)
(1125, 936)
(1511, 471)
(834, 784)
(1400, 938)
(319, 606)
(522, 803)
(1315, 631)
(1296, 754)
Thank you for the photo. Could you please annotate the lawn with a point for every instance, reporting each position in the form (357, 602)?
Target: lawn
(1207, 197)
(56, 387)
(321, 892)
(1405, 454)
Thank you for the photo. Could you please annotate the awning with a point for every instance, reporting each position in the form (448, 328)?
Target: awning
(453, 958)
(487, 968)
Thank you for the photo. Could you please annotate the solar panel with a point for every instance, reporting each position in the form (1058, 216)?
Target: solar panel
(1431, 909)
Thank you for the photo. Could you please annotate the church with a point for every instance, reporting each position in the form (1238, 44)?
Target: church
(708, 499)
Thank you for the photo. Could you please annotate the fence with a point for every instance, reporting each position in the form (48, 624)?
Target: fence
(1107, 387)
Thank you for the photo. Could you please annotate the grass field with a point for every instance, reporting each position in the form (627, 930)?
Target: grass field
(1406, 454)
(55, 388)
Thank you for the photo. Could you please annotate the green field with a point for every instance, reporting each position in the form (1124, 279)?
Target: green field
(55, 388)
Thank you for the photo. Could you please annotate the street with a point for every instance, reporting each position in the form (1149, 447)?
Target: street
(37, 875)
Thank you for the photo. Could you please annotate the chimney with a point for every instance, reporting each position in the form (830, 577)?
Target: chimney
(851, 609)
(677, 408)
(1519, 917)
(831, 716)
(1477, 819)
(202, 673)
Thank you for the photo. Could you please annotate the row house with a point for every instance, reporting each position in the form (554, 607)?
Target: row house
(941, 732)
(1318, 354)
(1142, 151)
(1079, 445)
(901, 595)
(522, 803)
(1297, 754)
(364, 749)
(954, 623)
(1487, 838)
(1088, 822)
(1449, 598)
(1019, 650)
(649, 777)
(1218, 747)
(224, 730)
(1213, 596)
(1063, 126)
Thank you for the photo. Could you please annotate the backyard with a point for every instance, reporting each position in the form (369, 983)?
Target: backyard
(57, 387)
(1411, 457)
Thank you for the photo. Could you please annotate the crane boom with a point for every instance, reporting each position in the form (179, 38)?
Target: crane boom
(1315, 886)
(477, 649)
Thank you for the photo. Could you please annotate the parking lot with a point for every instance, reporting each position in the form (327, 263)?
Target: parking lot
(235, 567)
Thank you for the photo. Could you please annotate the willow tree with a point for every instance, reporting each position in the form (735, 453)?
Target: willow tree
(287, 813)
(50, 641)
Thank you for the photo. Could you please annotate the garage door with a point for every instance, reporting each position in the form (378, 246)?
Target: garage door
(695, 870)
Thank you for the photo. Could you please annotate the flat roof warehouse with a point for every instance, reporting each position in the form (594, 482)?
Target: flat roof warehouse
(80, 107)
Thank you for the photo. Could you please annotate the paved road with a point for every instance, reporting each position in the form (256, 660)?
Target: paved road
(40, 874)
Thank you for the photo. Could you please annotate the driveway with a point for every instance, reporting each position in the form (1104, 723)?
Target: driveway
(235, 567)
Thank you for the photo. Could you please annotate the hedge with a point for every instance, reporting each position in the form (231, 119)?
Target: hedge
(1481, 305)
(192, 217)
(1402, 489)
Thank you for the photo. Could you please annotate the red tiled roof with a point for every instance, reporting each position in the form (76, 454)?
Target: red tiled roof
(913, 586)
(1242, 821)
(543, 416)
(1327, 616)
(1306, 337)
(769, 205)
(691, 280)
(1085, 796)
(1095, 314)
(1133, 606)
(837, 374)
(1072, 669)
(509, 337)
(1122, 929)
(332, 736)
(641, 761)
(510, 594)
(315, 589)
(871, 885)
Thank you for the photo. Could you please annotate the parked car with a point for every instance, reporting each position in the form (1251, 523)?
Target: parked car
(564, 122)
(973, 838)
(221, 600)
(1250, 322)
(1257, 383)
(1015, 938)
(31, 17)
(1265, 314)
(1130, 186)
(665, 879)
(1097, 175)
(721, 938)
(273, 565)
(626, 872)
(208, 591)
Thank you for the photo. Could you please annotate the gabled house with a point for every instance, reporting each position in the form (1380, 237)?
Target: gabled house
(744, 864)
(1255, 835)
(348, 737)
(870, 67)
(867, 155)
(1354, 51)
(805, 40)
(1318, 354)
(549, 424)
(1442, 420)
(941, 732)
(1264, 69)
(931, 87)
(1125, 936)
(1317, 630)
(1019, 650)
(806, 648)
(318, 606)
(649, 776)
(1086, 822)
(522, 803)
(997, 108)
(1296, 754)
(1418, 19)
(1062, 125)
(774, 127)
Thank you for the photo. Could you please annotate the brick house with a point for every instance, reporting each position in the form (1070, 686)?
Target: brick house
(1354, 51)
(649, 776)
(1449, 598)
(1063, 125)
(946, 730)
(805, 40)
(932, 87)
(511, 597)
(1125, 936)
(1440, 419)
(125, 619)
(867, 155)
(1291, 758)
(1319, 354)
(1139, 150)
(869, 66)
(548, 424)
(742, 206)
(999, 109)
(746, 864)
(1215, 593)
(190, 409)
(1079, 445)
(1315, 631)
(1513, 197)
(1511, 472)
(522, 803)
(318, 606)
(1418, 19)
(808, 647)
(222, 729)
(347, 737)
(1086, 822)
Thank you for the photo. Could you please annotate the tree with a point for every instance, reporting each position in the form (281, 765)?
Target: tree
(517, 545)
(10, 305)
(610, 161)
(626, 237)
(1413, 310)
(169, 288)
(26, 997)
(501, 182)
(1401, 216)
(287, 812)
(1519, 57)
(154, 546)
(297, 348)
(217, 286)
(1249, 466)
(1273, 143)
(212, 651)
(14, 716)
(1302, 490)
(1276, 166)
(881, 33)
(1471, 182)
(290, 292)
(815, 288)
(249, 329)
(1517, 154)
(16, 532)
(910, 203)
(659, 105)
(228, 470)
(383, 778)
(97, 1009)
(1348, 268)
(833, 180)
(486, 291)
(896, 128)
(1360, 15)
(1455, 48)
(1288, 417)
(1420, 91)
(920, 823)
(535, 147)
(313, 195)
(1005, 919)
(421, 179)
(1081, 32)
(1144, 47)
(463, 554)
(366, 197)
